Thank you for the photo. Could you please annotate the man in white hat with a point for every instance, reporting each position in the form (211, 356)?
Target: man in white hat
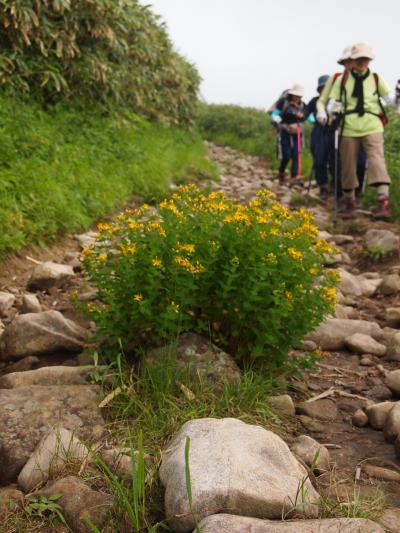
(358, 95)
(287, 117)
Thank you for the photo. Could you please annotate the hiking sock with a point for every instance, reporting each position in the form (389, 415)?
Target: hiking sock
(383, 190)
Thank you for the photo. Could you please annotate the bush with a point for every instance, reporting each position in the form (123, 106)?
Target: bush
(95, 50)
(61, 171)
(251, 276)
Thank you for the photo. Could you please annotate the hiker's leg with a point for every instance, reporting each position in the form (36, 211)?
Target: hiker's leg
(332, 163)
(285, 151)
(349, 148)
(294, 156)
(320, 154)
(361, 170)
(377, 174)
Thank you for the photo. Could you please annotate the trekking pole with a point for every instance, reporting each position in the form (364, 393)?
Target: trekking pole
(336, 177)
(298, 150)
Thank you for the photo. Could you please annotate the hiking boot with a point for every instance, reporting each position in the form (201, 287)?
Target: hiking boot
(296, 180)
(281, 177)
(382, 210)
(324, 192)
(348, 210)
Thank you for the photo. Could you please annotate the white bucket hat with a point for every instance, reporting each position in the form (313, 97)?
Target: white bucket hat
(346, 54)
(296, 90)
(362, 50)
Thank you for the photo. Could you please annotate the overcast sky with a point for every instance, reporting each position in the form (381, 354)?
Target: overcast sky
(248, 51)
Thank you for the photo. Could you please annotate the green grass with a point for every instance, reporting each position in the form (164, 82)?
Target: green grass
(63, 169)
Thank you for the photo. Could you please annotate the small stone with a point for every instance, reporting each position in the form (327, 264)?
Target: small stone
(342, 239)
(283, 404)
(6, 302)
(393, 316)
(393, 346)
(392, 425)
(307, 346)
(366, 361)
(47, 375)
(41, 333)
(49, 274)
(319, 409)
(78, 502)
(51, 456)
(385, 474)
(380, 392)
(390, 285)
(30, 304)
(312, 453)
(381, 241)
(365, 344)
(378, 413)
(359, 419)
(392, 380)
(310, 424)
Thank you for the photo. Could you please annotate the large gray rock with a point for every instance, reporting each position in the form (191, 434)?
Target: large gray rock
(360, 343)
(378, 413)
(234, 467)
(203, 359)
(392, 380)
(41, 333)
(381, 241)
(332, 334)
(6, 302)
(392, 424)
(47, 375)
(54, 451)
(50, 274)
(28, 413)
(224, 523)
(86, 239)
(314, 454)
(79, 502)
(349, 284)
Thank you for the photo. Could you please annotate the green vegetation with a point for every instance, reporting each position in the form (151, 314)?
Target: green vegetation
(240, 274)
(63, 169)
(95, 50)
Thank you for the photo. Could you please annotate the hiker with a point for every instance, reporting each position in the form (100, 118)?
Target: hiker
(287, 118)
(320, 141)
(356, 96)
(322, 118)
(397, 95)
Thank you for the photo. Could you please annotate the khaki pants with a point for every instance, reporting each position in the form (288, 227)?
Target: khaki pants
(374, 148)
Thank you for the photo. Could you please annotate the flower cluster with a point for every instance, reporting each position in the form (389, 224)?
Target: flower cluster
(201, 259)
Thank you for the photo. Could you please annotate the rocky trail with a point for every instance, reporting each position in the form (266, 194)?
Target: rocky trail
(349, 403)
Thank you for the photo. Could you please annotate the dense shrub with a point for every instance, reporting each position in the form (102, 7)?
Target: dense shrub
(94, 50)
(60, 171)
(250, 276)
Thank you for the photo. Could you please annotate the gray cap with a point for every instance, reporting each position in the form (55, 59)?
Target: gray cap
(322, 80)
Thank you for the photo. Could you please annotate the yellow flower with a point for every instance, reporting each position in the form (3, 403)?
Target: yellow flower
(187, 265)
(235, 260)
(288, 295)
(102, 257)
(175, 307)
(189, 248)
(156, 262)
(330, 296)
(138, 297)
(295, 254)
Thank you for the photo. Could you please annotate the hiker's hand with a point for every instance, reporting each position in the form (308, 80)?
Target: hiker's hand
(300, 115)
(334, 107)
(277, 119)
(322, 118)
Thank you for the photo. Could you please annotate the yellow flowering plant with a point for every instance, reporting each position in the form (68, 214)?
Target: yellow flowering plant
(250, 276)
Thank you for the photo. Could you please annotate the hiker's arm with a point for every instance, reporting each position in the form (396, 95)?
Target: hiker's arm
(385, 94)
(324, 97)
